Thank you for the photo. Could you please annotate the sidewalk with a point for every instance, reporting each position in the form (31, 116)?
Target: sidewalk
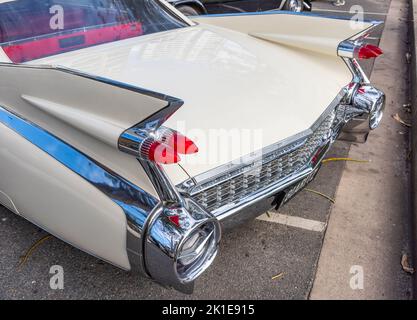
(370, 225)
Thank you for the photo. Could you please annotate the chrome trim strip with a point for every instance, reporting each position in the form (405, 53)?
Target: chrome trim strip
(175, 12)
(359, 75)
(163, 185)
(257, 156)
(281, 5)
(135, 202)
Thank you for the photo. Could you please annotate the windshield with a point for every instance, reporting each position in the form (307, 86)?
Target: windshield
(33, 29)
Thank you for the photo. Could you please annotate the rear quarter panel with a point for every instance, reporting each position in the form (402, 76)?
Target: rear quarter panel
(59, 201)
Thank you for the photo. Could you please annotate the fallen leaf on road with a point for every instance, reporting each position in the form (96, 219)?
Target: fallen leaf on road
(397, 118)
(278, 276)
(405, 264)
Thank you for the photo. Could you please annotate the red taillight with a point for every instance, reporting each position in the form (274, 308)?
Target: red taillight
(369, 51)
(182, 144)
(165, 145)
(159, 152)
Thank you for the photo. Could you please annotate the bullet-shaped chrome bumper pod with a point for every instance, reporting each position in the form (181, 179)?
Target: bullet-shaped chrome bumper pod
(370, 100)
(180, 243)
(180, 238)
(364, 112)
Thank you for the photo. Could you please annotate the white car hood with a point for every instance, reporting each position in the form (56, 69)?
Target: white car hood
(230, 82)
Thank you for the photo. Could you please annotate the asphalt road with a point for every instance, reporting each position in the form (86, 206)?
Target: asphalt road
(249, 256)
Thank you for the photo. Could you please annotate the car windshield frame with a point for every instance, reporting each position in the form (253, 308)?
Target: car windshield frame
(35, 29)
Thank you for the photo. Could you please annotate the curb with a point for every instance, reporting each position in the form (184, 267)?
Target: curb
(413, 96)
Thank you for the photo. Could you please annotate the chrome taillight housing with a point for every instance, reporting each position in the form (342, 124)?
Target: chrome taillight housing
(358, 50)
(161, 145)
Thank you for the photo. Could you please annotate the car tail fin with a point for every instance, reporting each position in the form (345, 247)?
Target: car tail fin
(324, 35)
(99, 107)
(356, 47)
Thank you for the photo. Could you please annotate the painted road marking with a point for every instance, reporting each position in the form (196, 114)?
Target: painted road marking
(293, 221)
(341, 11)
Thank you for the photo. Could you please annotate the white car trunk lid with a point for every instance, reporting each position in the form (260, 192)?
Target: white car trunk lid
(233, 85)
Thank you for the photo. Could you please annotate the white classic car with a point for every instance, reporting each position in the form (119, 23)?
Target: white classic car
(116, 119)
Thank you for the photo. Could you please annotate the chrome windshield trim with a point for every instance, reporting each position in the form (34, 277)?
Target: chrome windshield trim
(176, 12)
(134, 201)
(256, 156)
